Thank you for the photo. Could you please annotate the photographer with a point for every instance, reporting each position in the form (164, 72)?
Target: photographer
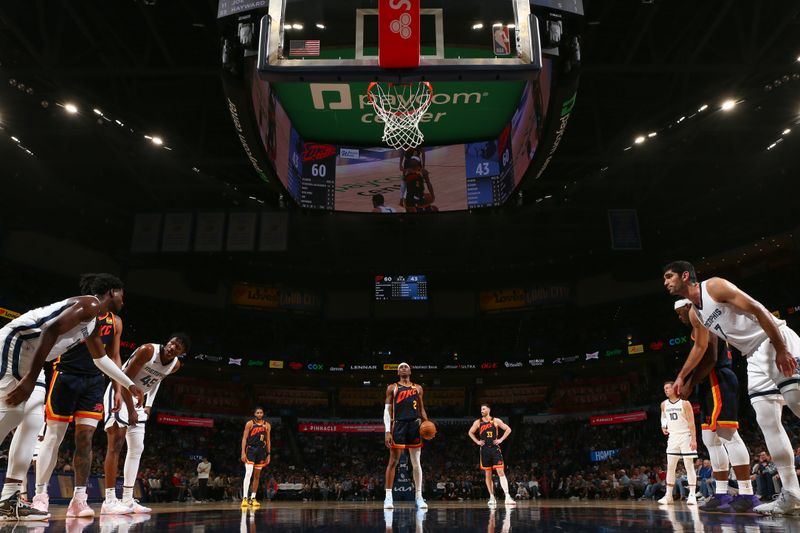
(763, 473)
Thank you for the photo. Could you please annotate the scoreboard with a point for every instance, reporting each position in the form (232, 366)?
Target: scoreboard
(400, 288)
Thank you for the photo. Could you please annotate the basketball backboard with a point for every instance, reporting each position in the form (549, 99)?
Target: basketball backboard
(456, 39)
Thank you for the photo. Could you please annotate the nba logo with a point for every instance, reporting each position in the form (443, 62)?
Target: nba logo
(502, 43)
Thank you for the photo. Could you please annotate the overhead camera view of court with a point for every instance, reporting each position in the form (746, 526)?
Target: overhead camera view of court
(399, 266)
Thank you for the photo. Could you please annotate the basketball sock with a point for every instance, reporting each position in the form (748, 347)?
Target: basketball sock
(504, 484)
(79, 494)
(252, 495)
(111, 495)
(722, 487)
(127, 494)
(9, 489)
(41, 488)
(388, 493)
(745, 487)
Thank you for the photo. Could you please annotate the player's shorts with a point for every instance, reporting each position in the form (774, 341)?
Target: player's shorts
(491, 458)
(764, 380)
(120, 418)
(405, 434)
(681, 445)
(8, 383)
(75, 397)
(256, 456)
(719, 400)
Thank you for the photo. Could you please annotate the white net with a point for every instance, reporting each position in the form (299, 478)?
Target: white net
(401, 107)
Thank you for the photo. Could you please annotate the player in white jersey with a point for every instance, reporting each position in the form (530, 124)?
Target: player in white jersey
(677, 421)
(770, 347)
(26, 343)
(147, 367)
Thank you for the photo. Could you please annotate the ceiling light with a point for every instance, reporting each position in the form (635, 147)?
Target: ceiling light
(477, 26)
(652, 134)
(157, 141)
(149, 138)
(297, 26)
(320, 26)
(71, 108)
(627, 148)
(511, 26)
(787, 131)
(703, 107)
(14, 139)
(727, 105)
(97, 112)
(118, 122)
(639, 140)
(497, 25)
(681, 119)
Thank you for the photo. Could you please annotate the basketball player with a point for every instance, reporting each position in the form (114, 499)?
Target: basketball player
(378, 205)
(256, 451)
(719, 408)
(403, 413)
(30, 340)
(677, 421)
(147, 366)
(415, 180)
(770, 347)
(75, 393)
(491, 457)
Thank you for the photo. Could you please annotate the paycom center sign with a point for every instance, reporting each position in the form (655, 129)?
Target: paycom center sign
(342, 112)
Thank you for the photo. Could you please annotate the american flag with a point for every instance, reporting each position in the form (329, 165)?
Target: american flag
(303, 48)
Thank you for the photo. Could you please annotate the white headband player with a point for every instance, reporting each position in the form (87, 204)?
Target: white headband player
(682, 303)
(403, 364)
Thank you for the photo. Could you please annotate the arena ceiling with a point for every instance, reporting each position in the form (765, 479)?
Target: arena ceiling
(703, 184)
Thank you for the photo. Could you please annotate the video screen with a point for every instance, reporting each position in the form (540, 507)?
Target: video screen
(383, 180)
(400, 288)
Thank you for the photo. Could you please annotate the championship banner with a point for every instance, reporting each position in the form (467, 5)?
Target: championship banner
(523, 298)
(340, 428)
(187, 421)
(8, 313)
(620, 418)
(602, 455)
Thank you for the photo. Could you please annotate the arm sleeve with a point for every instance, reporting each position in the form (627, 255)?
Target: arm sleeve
(387, 419)
(110, 369)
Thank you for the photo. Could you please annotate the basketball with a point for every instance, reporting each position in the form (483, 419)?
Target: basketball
(427, 430)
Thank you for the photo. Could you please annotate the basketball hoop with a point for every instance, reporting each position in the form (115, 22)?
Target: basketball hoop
(401, 106)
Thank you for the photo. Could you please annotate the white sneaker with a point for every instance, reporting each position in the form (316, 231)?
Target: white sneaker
(421, 503)
(666, 501)
(115, 507)
(691, 500)
(492, 502)
(136, 507)
(78, 508)
(510, 502)
(388, 503)
(785, 504)
(41, 502)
